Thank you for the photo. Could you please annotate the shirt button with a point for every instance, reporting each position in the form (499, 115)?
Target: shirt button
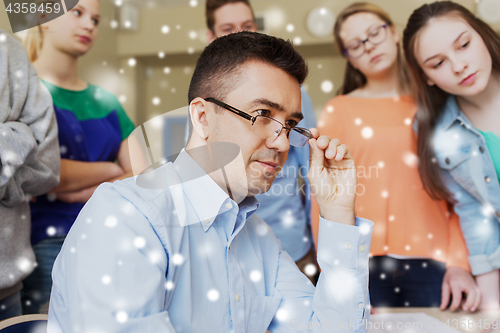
(361, 305)
(207, 220)
(447, 160)
(362, 248)
(487, 179)
(237, 297)
(229, 205)
(481, 149)
(347, 246)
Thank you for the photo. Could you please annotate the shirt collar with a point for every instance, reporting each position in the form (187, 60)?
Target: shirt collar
(206, 197)
(451, 112)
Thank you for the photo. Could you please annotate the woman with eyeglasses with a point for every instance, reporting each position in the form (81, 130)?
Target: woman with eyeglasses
(418, 253)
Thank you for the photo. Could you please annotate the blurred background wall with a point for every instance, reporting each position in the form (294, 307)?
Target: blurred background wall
(147, 49)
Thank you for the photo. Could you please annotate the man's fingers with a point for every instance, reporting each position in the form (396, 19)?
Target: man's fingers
(342, 152)
(314, 132)
(316, 155)
(445, 296)
(456, 298)
(323, 141)
(331, 151)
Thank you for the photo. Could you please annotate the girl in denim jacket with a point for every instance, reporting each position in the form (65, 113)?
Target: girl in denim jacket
(454, 59)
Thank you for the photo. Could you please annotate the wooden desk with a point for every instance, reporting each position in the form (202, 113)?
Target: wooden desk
(455, 318)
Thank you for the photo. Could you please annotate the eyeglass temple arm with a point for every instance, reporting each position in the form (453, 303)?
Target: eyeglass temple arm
(230, 108)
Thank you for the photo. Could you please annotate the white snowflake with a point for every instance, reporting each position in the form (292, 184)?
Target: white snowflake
(310, 269)
(139, 242)
(177, 259)
(282, 315)
(24, 264)
(288, 219)
(213, 295)
(327, 86)
(106, 279)
(367, 132)
(255, 276)
(121, 317)
(51, 231)
(154, 257)
(111, 221)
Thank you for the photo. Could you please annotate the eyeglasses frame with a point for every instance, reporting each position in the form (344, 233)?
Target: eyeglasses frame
(303, 131)
(346, 50)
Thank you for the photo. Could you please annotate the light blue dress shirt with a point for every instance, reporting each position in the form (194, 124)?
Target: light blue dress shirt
(186, 258)
(286, 195)
(292, 224)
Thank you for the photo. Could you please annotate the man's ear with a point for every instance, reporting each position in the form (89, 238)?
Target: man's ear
(210, 36)
(198, 114)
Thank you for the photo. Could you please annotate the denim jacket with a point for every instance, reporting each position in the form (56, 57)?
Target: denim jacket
(468, 173)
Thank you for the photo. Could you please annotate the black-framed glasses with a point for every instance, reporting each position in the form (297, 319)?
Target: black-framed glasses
(269, 128)
(358, 48)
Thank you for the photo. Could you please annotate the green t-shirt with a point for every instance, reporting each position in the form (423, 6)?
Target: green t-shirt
(91, 103)
(493, 144)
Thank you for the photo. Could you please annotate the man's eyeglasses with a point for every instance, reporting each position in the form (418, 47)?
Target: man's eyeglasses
(358, 48)
(269, 128)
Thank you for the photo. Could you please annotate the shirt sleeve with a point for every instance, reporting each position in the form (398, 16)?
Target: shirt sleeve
(110, 274)
(457, 250)
(29, 150)
(481, 232)
(340, 301)
(126, 125)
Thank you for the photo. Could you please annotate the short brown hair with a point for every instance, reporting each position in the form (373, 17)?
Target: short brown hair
(217, 69)
(213, 5)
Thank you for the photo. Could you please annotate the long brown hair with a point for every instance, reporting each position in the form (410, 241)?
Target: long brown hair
(431, 98)
(354, 79)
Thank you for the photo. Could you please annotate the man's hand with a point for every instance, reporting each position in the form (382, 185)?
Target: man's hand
(457, 281)
(332, 175)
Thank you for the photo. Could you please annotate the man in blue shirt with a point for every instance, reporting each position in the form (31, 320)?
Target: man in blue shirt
(286, 206)
(178, 249)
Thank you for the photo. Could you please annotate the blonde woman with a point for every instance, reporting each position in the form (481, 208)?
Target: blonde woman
(92, 131)
(419, 255)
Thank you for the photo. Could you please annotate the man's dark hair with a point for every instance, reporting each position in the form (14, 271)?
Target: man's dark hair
(213, 5)
(217, 69)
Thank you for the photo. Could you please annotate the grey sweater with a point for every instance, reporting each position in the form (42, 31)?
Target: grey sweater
(29, 158)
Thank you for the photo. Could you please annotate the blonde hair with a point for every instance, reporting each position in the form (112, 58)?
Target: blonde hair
(33, 42)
